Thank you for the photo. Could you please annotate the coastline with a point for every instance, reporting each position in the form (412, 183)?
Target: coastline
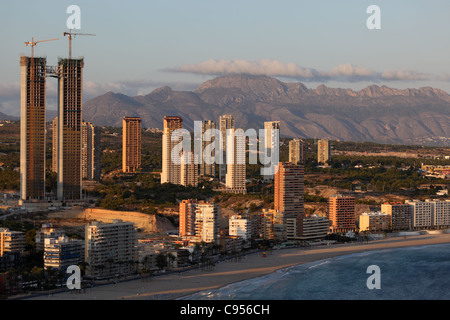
(183, 285)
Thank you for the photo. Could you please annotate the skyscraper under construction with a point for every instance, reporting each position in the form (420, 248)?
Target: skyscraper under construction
(70, 94)
(32, 128)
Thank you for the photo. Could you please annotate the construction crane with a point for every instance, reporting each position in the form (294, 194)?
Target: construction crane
(33, 43)
(70, 34)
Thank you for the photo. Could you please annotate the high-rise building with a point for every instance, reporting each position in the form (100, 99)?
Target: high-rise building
(70, 93)
(235, 177)
(170, 167)
(323, 151)
(188, 169)
(32, 128)
(272, 145)
(131, 144)
(55, 145)
(207, 169)
(90, 159)
(289, 193)
(207, 221)
(226, 122)
(187, 217)
(272, 134)
(297, 151)
(110, 248)
(341, 213)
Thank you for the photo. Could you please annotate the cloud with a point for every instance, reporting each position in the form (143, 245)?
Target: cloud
(404, 75)
(344, 72)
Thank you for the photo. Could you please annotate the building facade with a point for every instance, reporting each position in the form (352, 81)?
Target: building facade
(236, 162)
(187, 217)
(32, 128)
(62, 252)
(289, 193)
(110, 248)
(323, 151)
(240, 227)
(226, 122)
(297, 151)
(400, 215)
(207, 168)
(170, 167)
(131, 144)
(375, 221)
(341, 213)
(11, 241)
(70, 93)
(189, 169)
(90, 152)
(207, 221)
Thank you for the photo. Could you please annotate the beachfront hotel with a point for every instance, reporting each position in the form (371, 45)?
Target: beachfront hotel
(240, 226)
(429, 213)
(199, 220)
(341, 213)
(110, 248)
(374, 221)
(400, 215)
(187, 217)
(289, 194)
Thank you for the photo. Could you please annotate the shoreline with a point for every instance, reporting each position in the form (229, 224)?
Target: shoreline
(182, 285)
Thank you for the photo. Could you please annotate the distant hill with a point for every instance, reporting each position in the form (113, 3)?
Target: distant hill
(7, 117)
(375, 113)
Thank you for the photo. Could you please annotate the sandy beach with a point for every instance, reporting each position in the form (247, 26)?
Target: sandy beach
(173, 286)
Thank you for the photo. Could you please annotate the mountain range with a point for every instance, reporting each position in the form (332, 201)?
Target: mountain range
(375, 113)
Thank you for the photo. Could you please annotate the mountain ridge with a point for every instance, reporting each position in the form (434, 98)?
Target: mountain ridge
(374, 113)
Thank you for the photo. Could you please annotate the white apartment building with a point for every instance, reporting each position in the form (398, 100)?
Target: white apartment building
(240, 227)
(62, 252)
(235, 176)
(430, 213)
(441, 215)
(207, 222)
(110, 248)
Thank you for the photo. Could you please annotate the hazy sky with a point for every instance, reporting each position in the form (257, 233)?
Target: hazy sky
(142, 45)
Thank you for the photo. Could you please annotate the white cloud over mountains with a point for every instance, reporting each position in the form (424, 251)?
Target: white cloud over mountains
(344, 72)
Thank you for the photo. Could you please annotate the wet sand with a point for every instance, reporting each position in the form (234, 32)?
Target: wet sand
(173, 286)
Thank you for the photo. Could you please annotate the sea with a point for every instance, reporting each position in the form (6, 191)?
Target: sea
(411, 273)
